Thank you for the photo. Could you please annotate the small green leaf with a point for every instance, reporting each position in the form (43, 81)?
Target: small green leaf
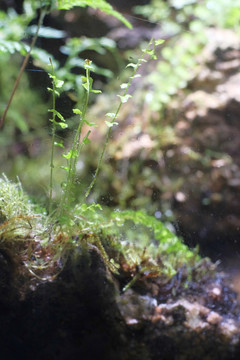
(125, 98)
(77, 111)
(66, 156)
(110, 124)
(92, 207)
(124, 86)
(56, 113)
(96, 91)
(111, 115)
(63, 125)
(86, 86)
(46, 32)
(59, 83)
(89, 67)
(59, 144)
(70, 154)
(132, 65)
(151, 52)
(159, 42)
(86, 141)
(90, 123)
(135, 76)
(66, 168)
(51, 75)
(56, 93)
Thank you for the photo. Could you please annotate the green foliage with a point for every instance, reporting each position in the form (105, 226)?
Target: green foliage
(75, 46)
(13, 201)
(160, 244)
(56, 84)
(50, 5)
(13, 29)
(95, 4)
(44, 240)
(185, 23)
(112, 236)
(179, 15)
(79, 142)
(157, 252)
(44, 8)
(156, 241)
(12, 26)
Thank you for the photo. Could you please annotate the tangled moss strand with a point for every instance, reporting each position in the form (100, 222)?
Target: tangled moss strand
(13, 201)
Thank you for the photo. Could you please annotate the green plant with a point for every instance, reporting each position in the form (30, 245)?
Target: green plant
(44, 8)
(185, 23)
(43, 239)
(12, 43)
(73, 154)
(29, 237)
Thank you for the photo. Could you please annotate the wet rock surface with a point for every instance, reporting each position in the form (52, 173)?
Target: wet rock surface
(82, 314)
(209, 126)
(72, 317)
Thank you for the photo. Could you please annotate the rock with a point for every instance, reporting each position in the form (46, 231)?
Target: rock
(82, 314)
(212, 132)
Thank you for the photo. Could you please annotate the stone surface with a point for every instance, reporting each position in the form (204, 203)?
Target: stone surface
(82, 314)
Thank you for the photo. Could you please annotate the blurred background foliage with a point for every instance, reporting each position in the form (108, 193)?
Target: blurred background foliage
(143, 168)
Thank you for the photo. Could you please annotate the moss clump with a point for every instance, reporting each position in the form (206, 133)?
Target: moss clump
(133, 245)
(13, 201)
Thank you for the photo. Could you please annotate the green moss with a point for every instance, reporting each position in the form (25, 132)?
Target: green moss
(131, 243)
(13, 201)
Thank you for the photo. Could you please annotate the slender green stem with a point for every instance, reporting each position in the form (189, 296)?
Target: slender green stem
(78, 144)
(40, 21)
(113, 120)
(76, 148)
(53, 138)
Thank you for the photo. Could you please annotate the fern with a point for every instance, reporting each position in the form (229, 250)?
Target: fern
(95, 4)
(7, 46)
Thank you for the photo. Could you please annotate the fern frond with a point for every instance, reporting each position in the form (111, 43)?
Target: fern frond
(95, 4)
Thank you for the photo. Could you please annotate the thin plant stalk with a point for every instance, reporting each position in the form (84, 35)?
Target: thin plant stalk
(138, 64)
(53, 139)
(77, 144)
(40, 21)
(76, 148)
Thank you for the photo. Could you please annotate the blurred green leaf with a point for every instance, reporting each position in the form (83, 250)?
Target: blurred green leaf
(95, 4)
(46, 32)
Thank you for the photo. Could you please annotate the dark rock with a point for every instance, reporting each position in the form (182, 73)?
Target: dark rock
(82, 314)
